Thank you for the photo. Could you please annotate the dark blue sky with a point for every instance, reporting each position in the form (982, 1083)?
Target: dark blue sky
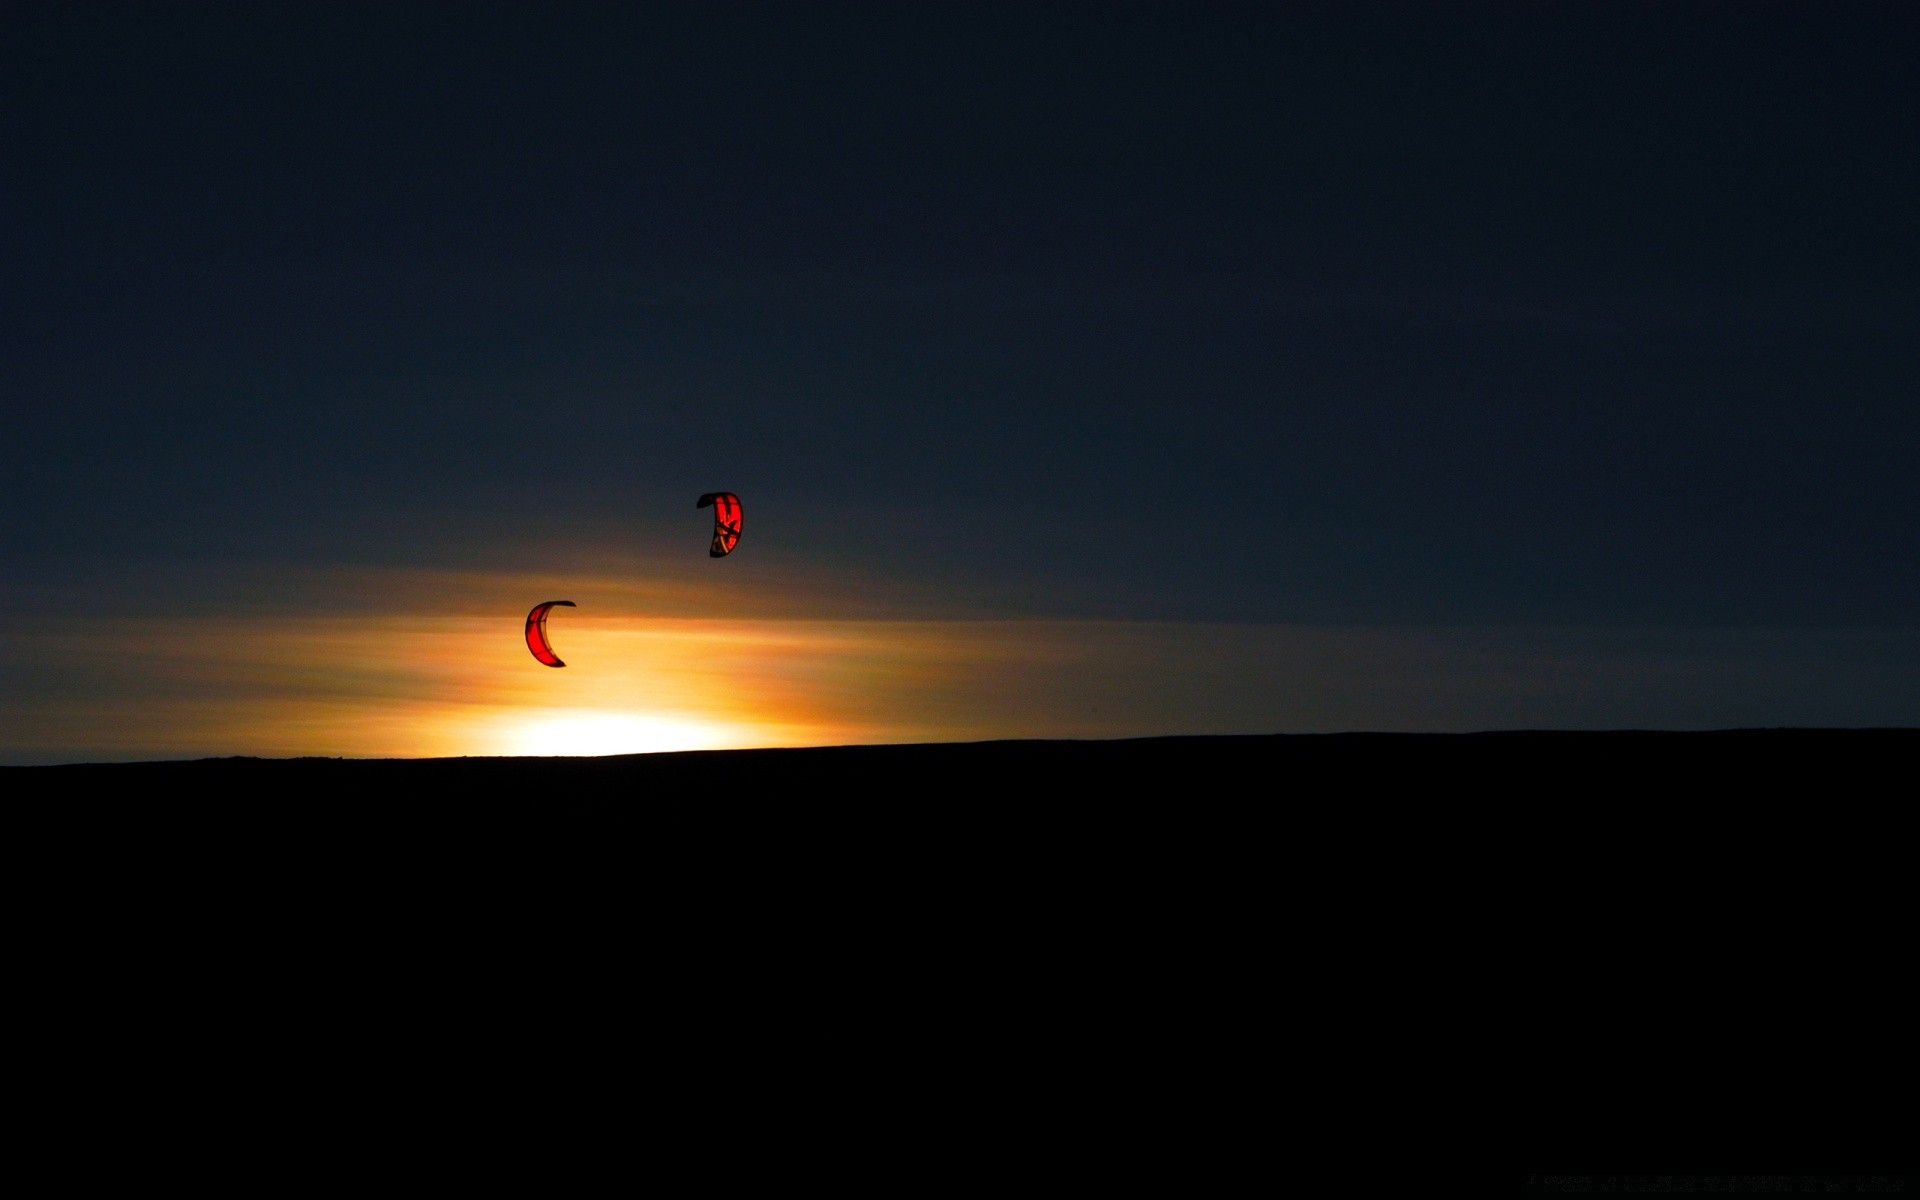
(1584, 314)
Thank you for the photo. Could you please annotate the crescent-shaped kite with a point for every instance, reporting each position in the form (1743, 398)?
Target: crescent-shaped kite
(726, 522)
(537, 632)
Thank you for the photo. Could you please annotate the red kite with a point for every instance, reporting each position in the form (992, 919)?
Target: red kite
(537, 632)
(726, 522)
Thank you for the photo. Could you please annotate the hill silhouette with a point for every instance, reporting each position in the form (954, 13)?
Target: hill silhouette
(1216, 768)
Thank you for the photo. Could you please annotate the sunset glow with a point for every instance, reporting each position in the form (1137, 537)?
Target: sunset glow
(599, 733)
(460, 682)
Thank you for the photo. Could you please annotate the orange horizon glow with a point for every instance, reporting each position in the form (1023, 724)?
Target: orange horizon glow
(453, 677)
(431, 687)
(408, 686)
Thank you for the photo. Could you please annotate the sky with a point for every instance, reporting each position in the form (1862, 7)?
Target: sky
(1084, 369)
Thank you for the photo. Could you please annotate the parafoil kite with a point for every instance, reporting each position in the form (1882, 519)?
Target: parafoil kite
(726, 522)
(537, 632)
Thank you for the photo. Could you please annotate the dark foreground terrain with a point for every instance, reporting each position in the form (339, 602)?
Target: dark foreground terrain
(702, 833)
(1520, 765)
(1143, 953)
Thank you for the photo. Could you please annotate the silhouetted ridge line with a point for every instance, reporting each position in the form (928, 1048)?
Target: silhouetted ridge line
(1202, 761)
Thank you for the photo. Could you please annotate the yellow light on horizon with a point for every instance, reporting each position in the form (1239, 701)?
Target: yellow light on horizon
(594, 733)
(410, 685)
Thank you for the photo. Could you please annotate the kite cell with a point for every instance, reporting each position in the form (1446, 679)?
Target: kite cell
(726, 522)
(537, 632)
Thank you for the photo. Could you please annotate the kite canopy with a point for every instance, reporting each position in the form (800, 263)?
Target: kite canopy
(537, 632)
(726, 522)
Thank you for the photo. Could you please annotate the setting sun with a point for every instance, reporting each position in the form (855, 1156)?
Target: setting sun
(590, 732)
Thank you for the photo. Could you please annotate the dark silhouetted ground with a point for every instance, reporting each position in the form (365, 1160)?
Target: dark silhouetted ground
(1214, 769)
(1131, 951)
